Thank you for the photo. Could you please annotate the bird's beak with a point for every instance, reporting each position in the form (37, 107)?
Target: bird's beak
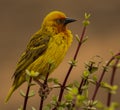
(69, 20)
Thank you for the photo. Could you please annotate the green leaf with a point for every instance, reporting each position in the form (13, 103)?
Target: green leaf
(74, 91)
(86, 73)
(95, 102)
(20, 108)
(111, 52)
(33, 108)
(68, 97)
(112, 63)
(42, 78)
(31, 93)
(94, 69)
(118, 56)
(72, 62)
(85, 87)
(76, 84)
(105, 68)
(87, 15)
(86, 22)
(100, 105)
(53, 80)
(50, 80)
(32, 84)
(114, 105)
(81, 97)
(88, 105)
(48, 107)
(56, 81)
(106, 85)
(54, 98)
(95, 78)
(22, 93)
(60, 108)
(70, 85)
(56, 86)
(32, 73)
(85, 39)
(112, 88)
(118, 65)
(77, 37)
(92, 81)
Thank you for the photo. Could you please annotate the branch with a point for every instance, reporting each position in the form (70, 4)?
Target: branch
(27, 93)
(71, 67)
(80, 40)
(44, 85)
(112, 81)
(102, 75)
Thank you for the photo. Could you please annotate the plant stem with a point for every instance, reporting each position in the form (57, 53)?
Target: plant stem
(102, 75)
(80, 87)
(71, 67)
(84, 80)
(112, 81)
(27, 93)
(43, 93)
(83, 83)
(41, 103)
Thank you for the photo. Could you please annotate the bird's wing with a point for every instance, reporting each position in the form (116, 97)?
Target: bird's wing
(36, 47)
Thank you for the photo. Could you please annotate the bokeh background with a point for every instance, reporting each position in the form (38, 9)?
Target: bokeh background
(20, 19)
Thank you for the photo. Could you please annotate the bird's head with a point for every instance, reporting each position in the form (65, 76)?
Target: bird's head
(57, 20)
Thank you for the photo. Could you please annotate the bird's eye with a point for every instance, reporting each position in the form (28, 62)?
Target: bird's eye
(60, 21)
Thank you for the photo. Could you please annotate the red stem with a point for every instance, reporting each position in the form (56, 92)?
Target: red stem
(71, 67)
(103, 73)
(44, 86)
(112, 81)
(27, 93)
(81, 84)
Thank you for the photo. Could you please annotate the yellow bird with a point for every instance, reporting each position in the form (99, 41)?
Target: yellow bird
(49, 44)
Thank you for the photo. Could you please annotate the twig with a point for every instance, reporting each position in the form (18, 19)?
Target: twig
(112, 81)
(27, 93)
(71, 67)
(80, 87)
(43, 93)
(102, 75)
(84, 80)
(80, 39)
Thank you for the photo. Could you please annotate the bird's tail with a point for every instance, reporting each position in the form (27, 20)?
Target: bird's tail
(12, 89)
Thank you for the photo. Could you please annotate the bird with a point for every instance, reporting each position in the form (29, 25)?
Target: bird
(49, 44)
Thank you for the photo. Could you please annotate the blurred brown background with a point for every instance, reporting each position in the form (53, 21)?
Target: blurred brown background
(20, 19)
